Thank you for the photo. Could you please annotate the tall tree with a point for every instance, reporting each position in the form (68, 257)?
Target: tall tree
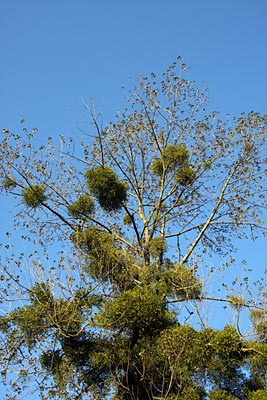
(136, 211)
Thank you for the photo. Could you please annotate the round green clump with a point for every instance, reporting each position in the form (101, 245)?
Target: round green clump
(138, 309)
(83, 207)
(8, 183)
(185, 176)
(34, 196)
(127, 219)
(157, 166)
(104, 184)
(172, 157)
(176, 154)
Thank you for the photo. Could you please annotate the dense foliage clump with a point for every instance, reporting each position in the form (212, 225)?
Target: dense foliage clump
(34, 196)
(107, 188)
(83, 207)
(172, 157)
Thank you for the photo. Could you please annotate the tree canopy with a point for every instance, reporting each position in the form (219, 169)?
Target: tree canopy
(110, 300)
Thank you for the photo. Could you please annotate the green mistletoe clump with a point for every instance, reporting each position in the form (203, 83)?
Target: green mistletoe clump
(105, 185)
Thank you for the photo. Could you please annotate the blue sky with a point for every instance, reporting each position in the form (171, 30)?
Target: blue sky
(55, 52)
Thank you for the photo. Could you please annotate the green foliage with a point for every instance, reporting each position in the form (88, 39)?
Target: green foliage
(92, 238)
(172, 157)
(104, 259)
(141, 311)
(207, 164)
(8, 183)
(50, 360)
(193, 393)
(175, 158)
(260, 323)
(127, 219)
(104, 184)
(157, 247)
(221, 395)
(227, 343)
(258, 395)
(30, 322)
(157, 166)
(181, 281)
(34, 196)
(237, 302)
(40, 294)
(185, 176)
(215, 355)
(83, 207)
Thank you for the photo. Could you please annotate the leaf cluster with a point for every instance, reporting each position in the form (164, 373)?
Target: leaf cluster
(181, 281)
(140, 311)
(259, 319)
(104, 184)
(82, 207)
(104, 259)
(8, 183)
(174, 158)
(34, 196)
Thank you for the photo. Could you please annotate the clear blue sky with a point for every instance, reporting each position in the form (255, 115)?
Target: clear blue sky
(55, 52)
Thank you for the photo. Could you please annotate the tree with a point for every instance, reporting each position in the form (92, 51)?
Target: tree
(136, 212)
